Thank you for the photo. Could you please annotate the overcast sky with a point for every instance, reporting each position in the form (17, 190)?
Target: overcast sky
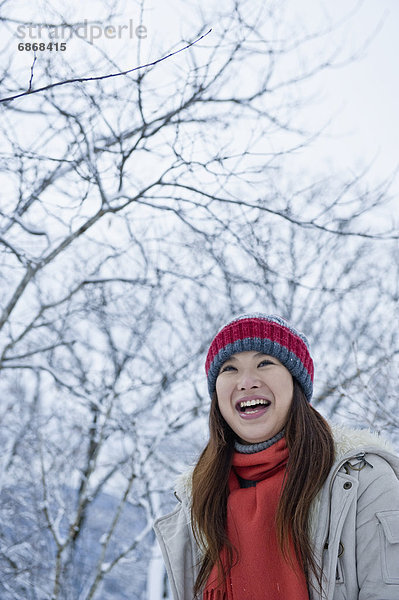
(363, 96)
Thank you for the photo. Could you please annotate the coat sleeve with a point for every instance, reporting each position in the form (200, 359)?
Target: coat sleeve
(174, 535)
(377, 532)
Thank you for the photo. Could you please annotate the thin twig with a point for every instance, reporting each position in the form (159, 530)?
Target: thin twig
(31, 74)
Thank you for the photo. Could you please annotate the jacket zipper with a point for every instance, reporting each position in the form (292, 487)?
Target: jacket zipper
(359, 456)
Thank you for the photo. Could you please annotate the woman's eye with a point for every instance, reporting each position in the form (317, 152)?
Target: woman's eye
(265, 362)
(227, 368)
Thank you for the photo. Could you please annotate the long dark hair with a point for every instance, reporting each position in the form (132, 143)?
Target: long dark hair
(311, 455)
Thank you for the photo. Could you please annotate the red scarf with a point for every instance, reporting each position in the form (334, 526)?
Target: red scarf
(260, 573)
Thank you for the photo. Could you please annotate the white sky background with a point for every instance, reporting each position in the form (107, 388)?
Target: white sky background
(363, 96)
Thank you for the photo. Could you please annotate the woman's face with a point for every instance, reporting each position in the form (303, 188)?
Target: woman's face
(254, 392)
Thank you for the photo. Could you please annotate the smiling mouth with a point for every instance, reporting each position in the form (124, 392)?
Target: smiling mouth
(251, 407)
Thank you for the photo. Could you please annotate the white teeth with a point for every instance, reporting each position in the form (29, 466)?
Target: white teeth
(254, 402)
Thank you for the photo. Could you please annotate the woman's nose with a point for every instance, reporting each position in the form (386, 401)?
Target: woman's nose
(248, 380)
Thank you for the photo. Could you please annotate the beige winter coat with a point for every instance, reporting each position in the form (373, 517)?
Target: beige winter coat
(354, 526)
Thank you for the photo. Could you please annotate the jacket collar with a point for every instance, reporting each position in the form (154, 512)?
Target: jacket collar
(350, 442)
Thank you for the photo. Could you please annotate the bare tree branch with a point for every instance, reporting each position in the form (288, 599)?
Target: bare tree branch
(99, 77)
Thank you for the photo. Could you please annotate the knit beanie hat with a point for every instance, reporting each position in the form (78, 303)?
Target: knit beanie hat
(268, 334)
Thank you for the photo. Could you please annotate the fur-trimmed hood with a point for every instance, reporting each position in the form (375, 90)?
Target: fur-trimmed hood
(347, 440)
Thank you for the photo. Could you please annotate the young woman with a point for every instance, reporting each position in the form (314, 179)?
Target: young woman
(279, 505)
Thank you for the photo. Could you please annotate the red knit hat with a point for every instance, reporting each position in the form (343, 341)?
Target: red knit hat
(268, 334)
